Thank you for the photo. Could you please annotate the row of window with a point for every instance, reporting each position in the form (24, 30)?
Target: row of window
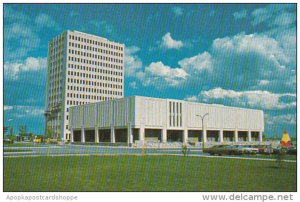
(76, 103)
(94, 90)
(93, 62)
(93, 42)
(95, 83)
(93, 69)
(72, 51)
(94, 76)
(95, 97)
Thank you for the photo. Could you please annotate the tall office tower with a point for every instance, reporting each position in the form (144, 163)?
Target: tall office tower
(81, 69)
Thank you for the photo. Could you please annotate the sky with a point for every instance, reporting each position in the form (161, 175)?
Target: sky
(241, 55)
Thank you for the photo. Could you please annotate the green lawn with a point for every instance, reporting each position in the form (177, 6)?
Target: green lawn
(145, 173)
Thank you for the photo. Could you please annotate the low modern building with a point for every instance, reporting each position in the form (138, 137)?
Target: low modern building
(137, 119)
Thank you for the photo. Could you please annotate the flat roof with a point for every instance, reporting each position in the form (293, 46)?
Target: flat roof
(214, 105)
(95, 36)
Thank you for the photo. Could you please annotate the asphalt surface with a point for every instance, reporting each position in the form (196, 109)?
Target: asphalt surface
(86, 150)
(50, 150)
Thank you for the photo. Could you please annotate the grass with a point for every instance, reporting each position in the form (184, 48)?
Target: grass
(145, 173)
(16, 150)
(29, 144)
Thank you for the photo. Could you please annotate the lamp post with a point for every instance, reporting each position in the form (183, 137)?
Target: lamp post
(202, 118)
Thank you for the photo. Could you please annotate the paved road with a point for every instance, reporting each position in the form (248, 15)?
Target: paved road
(49, 150)
(81, 150)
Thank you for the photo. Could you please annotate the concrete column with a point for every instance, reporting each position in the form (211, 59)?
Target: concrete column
(141, 133)
(129, 134)
(164, 135)
(185, 136)
(236, 136)
(112, 135)
(82, 135)
(72, 135)
(221, 136)
(96, 134)
(249, 136)
(260, 138)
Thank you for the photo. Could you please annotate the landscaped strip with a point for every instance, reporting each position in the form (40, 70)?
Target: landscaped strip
(146, 173)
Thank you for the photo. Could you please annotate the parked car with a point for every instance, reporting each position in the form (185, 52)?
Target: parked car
(269, 150)
(292, 151)
(213, 150)
(250, 149)
(223, 150)
(261, 148)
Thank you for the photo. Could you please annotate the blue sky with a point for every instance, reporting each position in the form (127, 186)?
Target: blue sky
(241, 55)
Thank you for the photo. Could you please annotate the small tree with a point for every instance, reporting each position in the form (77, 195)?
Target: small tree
(11, 131)
(49, 132)
(184, 150)
(280, 157)
(5, 129)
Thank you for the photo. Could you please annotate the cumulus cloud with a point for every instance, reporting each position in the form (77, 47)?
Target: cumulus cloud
(169, 43)
(24, 111)
(158, 72)
(44, 20)
(7, 107)
(274, 15)
(178, 11)
(132, 62)
(197, 63)
(280, 119)
(23, 35)
(256, 99)
(191, 98)
(13, 70)
(133, 85)
(240, 14)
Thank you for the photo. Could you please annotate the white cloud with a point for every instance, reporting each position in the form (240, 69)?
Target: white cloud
(23, 35)
(7, 107)
(197, 63)
(274, 15)
(158, 72)
(281, 119)
(132, 63)
(169, 43)
(101, 25)
(13, 70)
(192, 98)
(178, 11)
(133, 85)
(262, 45)
(24, 111)
(257, 99)
(240, 14)
(44, 20)
(263, 82)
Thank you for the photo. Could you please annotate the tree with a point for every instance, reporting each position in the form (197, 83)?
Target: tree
(49, 132)
(5, 129)
(11, 131)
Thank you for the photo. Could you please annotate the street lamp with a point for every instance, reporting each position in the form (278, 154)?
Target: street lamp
(202, 118)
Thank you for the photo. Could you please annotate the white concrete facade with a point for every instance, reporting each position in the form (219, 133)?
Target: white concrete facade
(136, 119)
(81, 69)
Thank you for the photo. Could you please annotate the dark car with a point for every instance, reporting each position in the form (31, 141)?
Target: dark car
(223, 150)
(213, 150)
(292, 151)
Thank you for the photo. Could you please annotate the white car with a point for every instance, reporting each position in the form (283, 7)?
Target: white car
(248, 149)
